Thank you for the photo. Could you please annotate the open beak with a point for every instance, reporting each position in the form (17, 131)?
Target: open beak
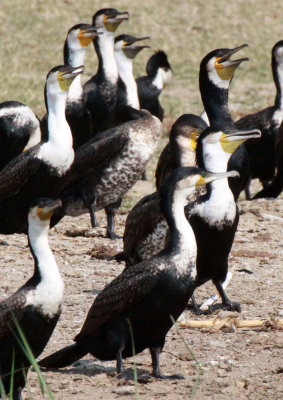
(112, 22)
(226, 67)
(131, 50)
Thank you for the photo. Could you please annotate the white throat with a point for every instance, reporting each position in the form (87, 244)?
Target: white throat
(185, 260)
(106, 45)
(48, 294)
(162, 78)
(58, 151)
(125, 69)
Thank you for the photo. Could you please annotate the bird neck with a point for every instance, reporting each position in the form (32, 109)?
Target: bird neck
(215, 102)
(125, 69)
(158, 79)
(45, 267)
(76, 90)
(107, 66)
(277, 70)
(59, 132)
(182, 239)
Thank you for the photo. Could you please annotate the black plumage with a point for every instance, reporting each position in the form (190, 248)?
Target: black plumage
(261, 152)
(36, 306)
(150, 86)
(146, 295)
(214, 217)
(275, 187)
(19, 130)
(41, 170)
(101, 91)
(124, 152)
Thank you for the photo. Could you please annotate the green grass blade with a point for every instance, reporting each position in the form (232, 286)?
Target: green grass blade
(28, 353)
(198, 364)
(134, 359)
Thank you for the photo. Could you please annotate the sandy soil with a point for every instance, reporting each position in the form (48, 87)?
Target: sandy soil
(237, 363)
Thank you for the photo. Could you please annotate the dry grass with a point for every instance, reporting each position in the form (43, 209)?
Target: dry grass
(33, 32)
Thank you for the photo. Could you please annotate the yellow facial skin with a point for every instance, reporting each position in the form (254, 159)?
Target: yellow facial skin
(64, 82)
(230, 146)
(44, 216)
(194, 139)
(200, 182)
(109, 25)
(225, 72)
(85, 40)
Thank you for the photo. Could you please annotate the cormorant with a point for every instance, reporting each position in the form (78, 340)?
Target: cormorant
(145, 230)
(147, 295)
(78, 117)
(19, 130)
(36, 306)
(182, 143)
(101, 91)
(262, 151)
(150, 86)
(124, 151)
(40, 171)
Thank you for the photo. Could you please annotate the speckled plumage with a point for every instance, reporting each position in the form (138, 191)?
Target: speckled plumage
(144, 295)
(100, 186)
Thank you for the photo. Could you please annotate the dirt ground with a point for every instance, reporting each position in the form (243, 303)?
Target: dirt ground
(237, 363)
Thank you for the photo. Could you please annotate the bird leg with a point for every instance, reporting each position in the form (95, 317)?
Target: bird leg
(18, 394)
(93, 219)
(155, 352)
(229, 305)
(196, 307)
(111, 210)
(119, 364)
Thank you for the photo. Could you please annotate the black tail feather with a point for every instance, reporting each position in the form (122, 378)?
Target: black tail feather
(64, 357)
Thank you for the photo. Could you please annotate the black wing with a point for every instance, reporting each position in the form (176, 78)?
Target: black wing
(141, 221)
(119, 297)
(10, 309)
(18, 172)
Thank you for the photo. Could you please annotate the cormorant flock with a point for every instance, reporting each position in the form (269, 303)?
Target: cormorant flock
(92, 145)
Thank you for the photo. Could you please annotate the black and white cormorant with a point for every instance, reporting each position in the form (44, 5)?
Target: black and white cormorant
(125, 50)
(147, 295)
(36, 306)
(262, 151)
(124, 152)
(180, 150)
(40, 171)
(78, 117)
(19, 130)
(101, 91)
(159, 73)
(146, 229)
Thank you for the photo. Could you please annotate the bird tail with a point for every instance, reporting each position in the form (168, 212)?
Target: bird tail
(64, 357)
(118, 257)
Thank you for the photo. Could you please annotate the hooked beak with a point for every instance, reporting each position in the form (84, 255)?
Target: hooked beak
(241, 135)
(211, 176)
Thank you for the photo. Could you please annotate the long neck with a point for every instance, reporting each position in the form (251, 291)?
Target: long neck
(182, 238)
(45, 268)
(277, 70)
(125, 69)
(215, 102)
(107, 67)
(59, 132)
(75, 58)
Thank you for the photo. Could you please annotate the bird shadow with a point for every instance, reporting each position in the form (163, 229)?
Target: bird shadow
(89, 368)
